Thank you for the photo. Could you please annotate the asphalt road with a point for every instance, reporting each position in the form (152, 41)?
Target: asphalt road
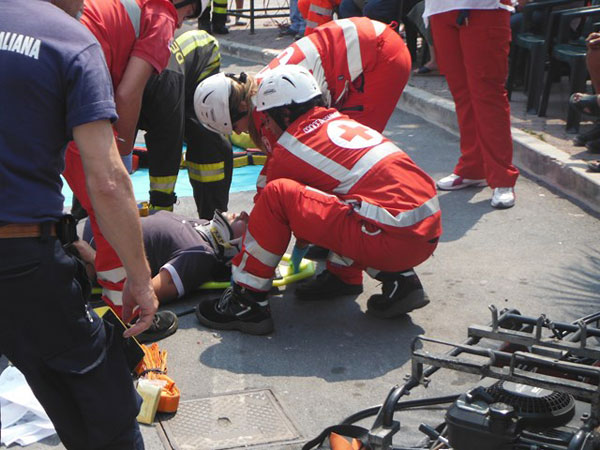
(327, 359)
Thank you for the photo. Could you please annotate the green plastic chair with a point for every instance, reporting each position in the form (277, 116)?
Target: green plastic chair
(532, 40)
(570, 50)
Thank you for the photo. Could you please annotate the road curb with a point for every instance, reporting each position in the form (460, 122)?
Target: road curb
(531, 155)
(239, 50)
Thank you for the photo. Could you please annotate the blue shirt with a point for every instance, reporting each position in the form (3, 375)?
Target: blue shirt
(53, 77)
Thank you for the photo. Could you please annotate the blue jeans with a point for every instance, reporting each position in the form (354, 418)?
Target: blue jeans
(383, 10)
(349, 9)
(297, 22)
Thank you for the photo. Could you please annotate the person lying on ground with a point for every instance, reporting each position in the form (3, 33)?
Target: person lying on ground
(183, 253)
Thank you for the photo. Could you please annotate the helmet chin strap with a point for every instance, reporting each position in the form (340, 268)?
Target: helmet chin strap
(242, 78)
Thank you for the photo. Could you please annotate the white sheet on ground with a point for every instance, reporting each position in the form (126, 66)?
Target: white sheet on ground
(24, 421)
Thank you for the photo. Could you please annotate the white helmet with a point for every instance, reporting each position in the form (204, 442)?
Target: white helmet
(211, 103)
(285, 85)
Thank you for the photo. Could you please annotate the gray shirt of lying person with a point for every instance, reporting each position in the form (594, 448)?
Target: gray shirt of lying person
(178, 244)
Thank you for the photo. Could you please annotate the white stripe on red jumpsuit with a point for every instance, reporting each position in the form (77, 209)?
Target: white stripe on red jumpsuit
(341, 185)
(361, 65)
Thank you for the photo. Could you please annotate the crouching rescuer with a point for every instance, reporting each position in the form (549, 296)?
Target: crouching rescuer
(336, 183)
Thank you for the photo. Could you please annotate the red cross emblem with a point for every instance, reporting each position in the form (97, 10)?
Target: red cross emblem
(350, 132)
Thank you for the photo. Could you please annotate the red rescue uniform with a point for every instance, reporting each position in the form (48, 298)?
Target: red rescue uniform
(361, 65)
(317, 12)
(144, 30)
(339, 184)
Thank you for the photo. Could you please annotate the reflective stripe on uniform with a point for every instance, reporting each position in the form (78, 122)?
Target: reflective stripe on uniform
(362, 166)
(312, 157)
(402, 219)
(261, 181)
(353, 56)
(320, 10)
(163, 184)
(255, 250)
(372, 272)
(210, 68)
(242, 277)
(219, 6)
(312, 61)
(379, 27)
(189, 41)
(339, 259)
(134, 12)
(349, 177)
(116, 297)
(206, 173)
(114, 276)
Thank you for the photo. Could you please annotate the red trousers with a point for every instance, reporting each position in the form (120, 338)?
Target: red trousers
(377, 91)
(316, 12)
(474, 59)
(109, 269)
(286, 206)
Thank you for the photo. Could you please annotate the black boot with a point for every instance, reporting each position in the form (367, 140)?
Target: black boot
(325, 286)
(402, 293)
(204, 21)
(220, 29)
(237, 309)
(583, 138)
(165, 323)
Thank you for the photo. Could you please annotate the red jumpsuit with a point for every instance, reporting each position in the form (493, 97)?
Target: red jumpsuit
(146, 36)
(339, 184)
(360, 64)
(317, 12)
(474, 59)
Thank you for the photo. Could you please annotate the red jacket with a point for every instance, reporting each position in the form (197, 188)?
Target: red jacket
(146, 36)
(329, 151)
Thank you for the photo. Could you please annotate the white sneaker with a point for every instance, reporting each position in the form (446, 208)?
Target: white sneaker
(503, 197)
(453, 182)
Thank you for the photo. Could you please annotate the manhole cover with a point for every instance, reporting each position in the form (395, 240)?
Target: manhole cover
(229, 421)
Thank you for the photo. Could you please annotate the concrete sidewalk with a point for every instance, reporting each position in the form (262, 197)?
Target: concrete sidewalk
(542, 148)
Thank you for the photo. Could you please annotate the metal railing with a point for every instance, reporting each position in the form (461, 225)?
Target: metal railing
(264, 12)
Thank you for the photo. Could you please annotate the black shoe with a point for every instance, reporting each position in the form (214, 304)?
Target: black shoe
(220, 29)
(206, 26)
(400, 296)
(316, 253)
(593, 146)
(237, 309)
(583, 138)
(287, 32)
(164, 324)
(326, 285)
